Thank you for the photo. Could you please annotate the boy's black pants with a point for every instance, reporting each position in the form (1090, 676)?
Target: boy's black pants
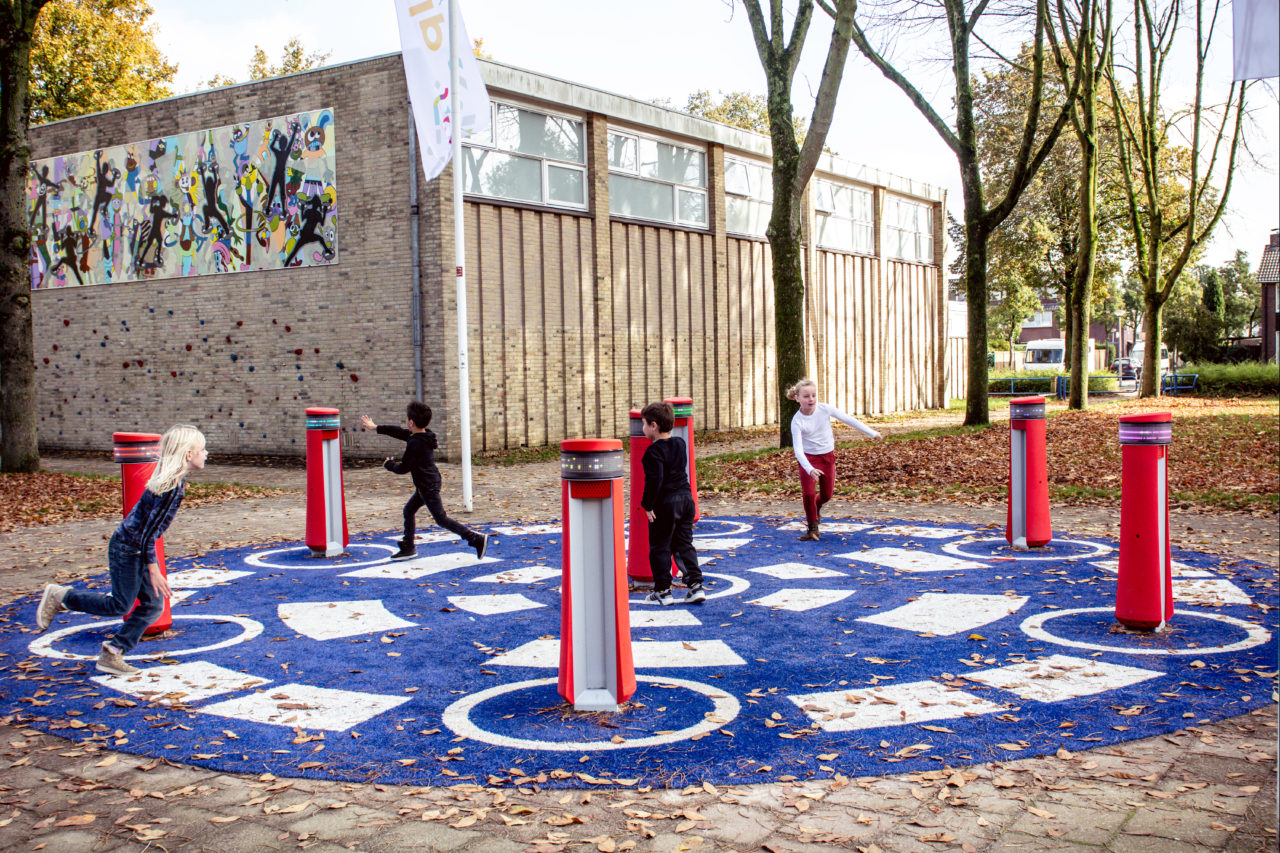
(431, 500)
(671, 533)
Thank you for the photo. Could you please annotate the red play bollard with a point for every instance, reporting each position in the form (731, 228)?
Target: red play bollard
(1027, 521)
(596, 668)
(137, 454)
(638, 539)
(326, 502)
(682, 407)
(1144, 582)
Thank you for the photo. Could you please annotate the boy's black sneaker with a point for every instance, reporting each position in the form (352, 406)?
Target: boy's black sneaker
(662, 597)
(481, 545)
(406, 552)
(695, 595)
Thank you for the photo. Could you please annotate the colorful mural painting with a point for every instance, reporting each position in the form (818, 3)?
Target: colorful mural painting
(255, 196)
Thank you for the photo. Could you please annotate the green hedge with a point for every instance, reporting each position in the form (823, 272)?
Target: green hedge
(1248, 379)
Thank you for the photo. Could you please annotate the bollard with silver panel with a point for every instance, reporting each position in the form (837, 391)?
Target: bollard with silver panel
(1027, 521)
(596, 668)
(1144, 581)
(326, 503)
(137, 454)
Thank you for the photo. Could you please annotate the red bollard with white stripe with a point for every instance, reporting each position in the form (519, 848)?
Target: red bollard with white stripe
(1144, 582)
(137, 454)
(638, 532)
(682, 408)
(596, 668)
(326, 501)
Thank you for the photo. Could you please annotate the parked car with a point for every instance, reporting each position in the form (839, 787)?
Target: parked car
(1124, 368)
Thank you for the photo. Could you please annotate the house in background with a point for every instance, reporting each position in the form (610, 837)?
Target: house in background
(1268, 277)
(1044, 324)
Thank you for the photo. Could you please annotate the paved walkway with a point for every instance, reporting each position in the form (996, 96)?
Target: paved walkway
(1209, 787)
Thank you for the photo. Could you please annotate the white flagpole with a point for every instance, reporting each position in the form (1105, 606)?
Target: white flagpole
(459, 257)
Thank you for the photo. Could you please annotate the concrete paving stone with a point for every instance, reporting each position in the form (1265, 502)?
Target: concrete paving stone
(65, 840)
(420, 835)
(495, 845)
(742, 824)
(1080, 825)
(341, 823)
(1016, 842)
(1178, 824)
(1153, 844)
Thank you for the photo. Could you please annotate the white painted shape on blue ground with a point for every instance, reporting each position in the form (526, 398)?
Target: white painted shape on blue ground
(1178, 570)
(828, 526)
(801, 600)
(910, 561)
(1060, 677)
(526, 529)
(421, 566)
(712, 583)
(1255, 635)
(182, 595)
(946, 614)
(646, 654)
(719, 543)
(201, 578)
(491, 605)
(333, 620)
(1209, 591)
(259, 558)
(794, 571)
(913, 531)
(667, 617)
(890, 705)
(528, 574)
(1034, 555)
(306, 707)
(732, 528)
(44, 644)
(181, 682)
(427, 538)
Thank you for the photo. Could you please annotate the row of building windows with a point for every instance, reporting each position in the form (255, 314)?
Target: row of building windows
(538, 158)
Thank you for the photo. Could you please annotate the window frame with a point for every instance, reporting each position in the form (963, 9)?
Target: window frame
(830, 212)
(752, 196)
(675, 187)
(918, 238)
(544, 162)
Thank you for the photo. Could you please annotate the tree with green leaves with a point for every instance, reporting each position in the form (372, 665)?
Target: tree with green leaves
(742, 109)
(1242, 297)
(294, 57)
(1017, 304)
(985, 205)
(793, 165)
(19, 450)
(1211, 294)
(1171, 196)
(1192, 328)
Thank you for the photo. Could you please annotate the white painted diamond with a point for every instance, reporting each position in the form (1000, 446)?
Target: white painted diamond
(828, 526)
(802, 599)
(490, 605)
(911, 561)
(526, 529)
(945, 614)
(646, 654)
(180, 682)
(719, 543)
(1209, 591)
(307, 707)
(1177, 569)
(666, 617)
(919, 532)
(200, 578)
(1060, 677)
(421, 566)
(792, 571)
(427, 538)
(528, 574)
(333, 620)
(890, 705)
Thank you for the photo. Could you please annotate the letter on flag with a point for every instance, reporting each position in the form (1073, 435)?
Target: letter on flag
(1257, 38)
(424, 43)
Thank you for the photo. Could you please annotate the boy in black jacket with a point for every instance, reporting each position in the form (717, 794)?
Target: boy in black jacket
(668, 503)
(419, 460)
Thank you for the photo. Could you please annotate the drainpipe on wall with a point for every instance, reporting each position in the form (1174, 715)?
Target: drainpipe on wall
(416, 300)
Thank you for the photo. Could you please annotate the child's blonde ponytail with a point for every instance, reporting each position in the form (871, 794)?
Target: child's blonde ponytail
(172, 466)
(794, 390)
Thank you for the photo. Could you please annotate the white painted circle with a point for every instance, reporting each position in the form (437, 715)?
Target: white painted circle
(258, 558)
(736, 585)
(44, 645)
(738, 527)
(1033, 626)
(458, 717)
(1022, 556)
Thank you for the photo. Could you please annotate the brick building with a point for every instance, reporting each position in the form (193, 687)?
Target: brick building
(1268, 280)
(615, 249)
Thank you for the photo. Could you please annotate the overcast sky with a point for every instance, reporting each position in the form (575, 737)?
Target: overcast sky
(667, 49)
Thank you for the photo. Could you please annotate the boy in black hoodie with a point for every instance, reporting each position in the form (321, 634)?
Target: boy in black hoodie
(419, 460)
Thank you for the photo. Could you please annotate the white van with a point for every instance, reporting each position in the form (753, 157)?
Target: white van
(1049, 353)
(1139, 351)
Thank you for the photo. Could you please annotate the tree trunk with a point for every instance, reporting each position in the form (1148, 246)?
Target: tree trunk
(1151, 355)
(19, 450)
(788, 293)
(976, 410)
(1086, 258)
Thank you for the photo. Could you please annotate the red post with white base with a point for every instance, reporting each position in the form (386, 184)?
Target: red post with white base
(1144, 582)
(137, 454)
(682, 407)
(326, 502)
(596, 668)
(1027, 522)
(638, 538)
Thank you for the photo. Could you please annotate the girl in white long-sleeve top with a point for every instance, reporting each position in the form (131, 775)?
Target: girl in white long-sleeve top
(815, 445)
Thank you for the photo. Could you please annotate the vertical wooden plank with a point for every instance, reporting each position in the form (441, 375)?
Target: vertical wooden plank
(555, 377)
(732, 370)
(622, 285)
(772, 413)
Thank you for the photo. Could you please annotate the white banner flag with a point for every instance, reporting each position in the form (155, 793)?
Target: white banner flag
(424, 43)
(1257, 38)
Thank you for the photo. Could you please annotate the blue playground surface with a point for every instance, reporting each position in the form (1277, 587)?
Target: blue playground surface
(888, 646)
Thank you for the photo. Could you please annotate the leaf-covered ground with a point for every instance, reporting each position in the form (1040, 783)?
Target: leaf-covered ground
(47, 497)
(1225, 455)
